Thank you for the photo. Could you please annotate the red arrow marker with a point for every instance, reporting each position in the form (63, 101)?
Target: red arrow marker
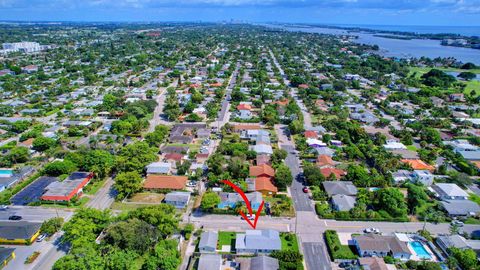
(247, 203)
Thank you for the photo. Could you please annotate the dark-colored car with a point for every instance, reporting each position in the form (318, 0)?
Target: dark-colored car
(305, 190)
(14, 217)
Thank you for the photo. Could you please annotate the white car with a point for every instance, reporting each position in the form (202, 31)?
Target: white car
(371, 230)
(3, 207)
(41, 237)
(250, 217)
(457, 222)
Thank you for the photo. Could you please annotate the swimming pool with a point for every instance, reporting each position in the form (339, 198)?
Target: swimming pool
(420, 250)
(6, 172)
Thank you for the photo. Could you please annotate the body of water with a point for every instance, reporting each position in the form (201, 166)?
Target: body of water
(399, 47)
(422, 29)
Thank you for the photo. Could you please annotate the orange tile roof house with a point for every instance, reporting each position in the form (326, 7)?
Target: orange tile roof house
(324, 161)
(265, 185)
(165, 182)
(337, 172)
(418, 164)
(311, 134)
(262, 170)
(245, 107)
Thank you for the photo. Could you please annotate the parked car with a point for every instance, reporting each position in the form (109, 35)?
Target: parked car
(3, 207)
(371, 230)
(14, 217)
(41, 237)
(305, 189)
(250, 217)
(457, 223)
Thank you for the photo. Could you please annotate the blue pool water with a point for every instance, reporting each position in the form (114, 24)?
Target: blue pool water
(6, 172)
(420, 250)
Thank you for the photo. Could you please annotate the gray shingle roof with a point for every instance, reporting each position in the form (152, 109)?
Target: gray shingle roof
(460, 207)
(18, 230)
(339, 187)
(208, 239)
(264, 263)
(210, 262)
(259, 240)
(343, 202)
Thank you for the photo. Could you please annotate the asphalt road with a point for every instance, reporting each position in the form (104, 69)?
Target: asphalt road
(314, 252)
(34, 213)
(104, 197)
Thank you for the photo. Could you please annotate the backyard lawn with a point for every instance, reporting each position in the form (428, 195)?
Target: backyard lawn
(227, 238)
(289, 241)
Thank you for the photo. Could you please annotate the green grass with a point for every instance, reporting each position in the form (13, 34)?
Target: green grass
(226, 238)
(94, 187)
(412, 148)
(474, 198)
(472, 85)
(472, 220)
(289, 241)
(124, 207)
(336, 249)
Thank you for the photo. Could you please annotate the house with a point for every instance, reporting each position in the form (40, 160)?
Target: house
(311, 134)
(175, 149)
(68, 188)
(230, 200)
(263, 160)
(315, 143)
(456, 241)
(372, 263)
(405, 154)
(449, 191)
(6, 255)
(258, 242)
(418, 164)
(173, 158)
(423, 176)
(178, 199)
(325, 161)
(19, 233)
(342, 202)
(262, 170)
(244, 111)
(262, 149)
(159, 168)
(456, 97)
(263, 185)
(210, 262)
(208, 242)
(264, 263)
(339, 187)
(338, 173)
(374, 245)
(460, 208)
(394, 146)
(165, 182)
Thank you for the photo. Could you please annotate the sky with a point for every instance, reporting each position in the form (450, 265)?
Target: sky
(376, 12)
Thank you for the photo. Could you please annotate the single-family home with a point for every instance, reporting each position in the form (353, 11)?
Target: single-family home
(339, 188)
(374, 245)
(165, 182)
(258, 242)
(456, 241)
(178, 199)
(244, 111)
(264, 263)
(328, 171)
(262, 149)
(208, 242)
(372, 263)
(159, 168)
(422, 176)
(68, 188)
(210, 262)
(19, 233)
(449, 191)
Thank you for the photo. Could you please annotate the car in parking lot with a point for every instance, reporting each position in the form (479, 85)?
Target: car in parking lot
(14, 217)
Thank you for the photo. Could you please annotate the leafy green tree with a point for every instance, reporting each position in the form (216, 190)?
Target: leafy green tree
(283, 177)
(128, 183)
(210, 200)
(162, 216)
(100, 162)
(165, 257)
(467, 75)
(117, 259)
(132, 234)
(135, 156)
(313, 175)
(466, 258)
(391, 201)
(296, 127)
(279, 155)
(57, 168)
(158, 136)
(17, 155)
(52, 225)
(43, 143)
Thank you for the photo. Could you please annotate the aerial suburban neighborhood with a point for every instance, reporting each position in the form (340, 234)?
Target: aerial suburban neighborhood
(117, 141)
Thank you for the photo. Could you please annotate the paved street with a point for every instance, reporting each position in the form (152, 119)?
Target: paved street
(34, 213)
(158, 117)
(104, 197)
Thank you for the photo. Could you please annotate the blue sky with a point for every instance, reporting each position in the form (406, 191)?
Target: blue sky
(385, 12)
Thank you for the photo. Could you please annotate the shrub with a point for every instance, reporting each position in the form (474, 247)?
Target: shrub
(336, 249)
